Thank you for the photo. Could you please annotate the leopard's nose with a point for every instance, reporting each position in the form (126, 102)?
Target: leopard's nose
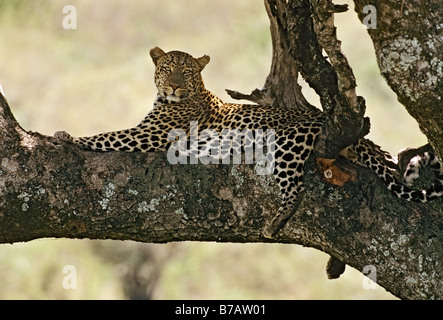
(174, 86)
(176, 79)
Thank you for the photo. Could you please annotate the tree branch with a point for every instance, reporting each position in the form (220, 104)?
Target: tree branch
(409, 49)
(297, 43)
(281, 88)
(306, 37)
(52, 190)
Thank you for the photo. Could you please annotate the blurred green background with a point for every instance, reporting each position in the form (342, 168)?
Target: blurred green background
(99, 77)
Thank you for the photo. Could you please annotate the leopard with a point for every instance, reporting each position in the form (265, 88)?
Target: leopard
(183, 100)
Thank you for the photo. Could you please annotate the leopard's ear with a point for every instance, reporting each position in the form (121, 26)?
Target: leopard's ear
(156, 53)
(202, 61)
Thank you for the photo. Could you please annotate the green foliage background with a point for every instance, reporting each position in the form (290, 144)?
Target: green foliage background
(99, 77)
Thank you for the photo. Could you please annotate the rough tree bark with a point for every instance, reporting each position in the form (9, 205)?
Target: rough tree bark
(408, 42)
(49, 189)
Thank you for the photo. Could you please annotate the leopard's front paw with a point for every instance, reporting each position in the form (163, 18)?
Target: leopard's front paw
(63, 136)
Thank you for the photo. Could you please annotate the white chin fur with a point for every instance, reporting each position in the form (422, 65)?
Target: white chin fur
(173, 98)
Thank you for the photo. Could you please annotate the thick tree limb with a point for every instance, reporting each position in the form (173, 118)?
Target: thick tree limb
(52, 190)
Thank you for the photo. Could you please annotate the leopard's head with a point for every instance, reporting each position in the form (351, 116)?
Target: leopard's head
(178, 74)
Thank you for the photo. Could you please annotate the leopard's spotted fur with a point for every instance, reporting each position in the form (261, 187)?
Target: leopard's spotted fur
(182, 98)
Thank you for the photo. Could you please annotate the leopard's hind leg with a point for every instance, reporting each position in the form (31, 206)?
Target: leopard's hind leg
(291, 152)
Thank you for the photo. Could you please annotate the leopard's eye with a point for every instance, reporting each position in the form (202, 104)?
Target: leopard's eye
(187, 72)
(166, 69)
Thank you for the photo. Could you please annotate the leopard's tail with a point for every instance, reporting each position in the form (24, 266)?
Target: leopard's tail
(370, 155)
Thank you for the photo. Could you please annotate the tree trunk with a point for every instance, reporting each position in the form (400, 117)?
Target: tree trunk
(49, 189)
(408, 42)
